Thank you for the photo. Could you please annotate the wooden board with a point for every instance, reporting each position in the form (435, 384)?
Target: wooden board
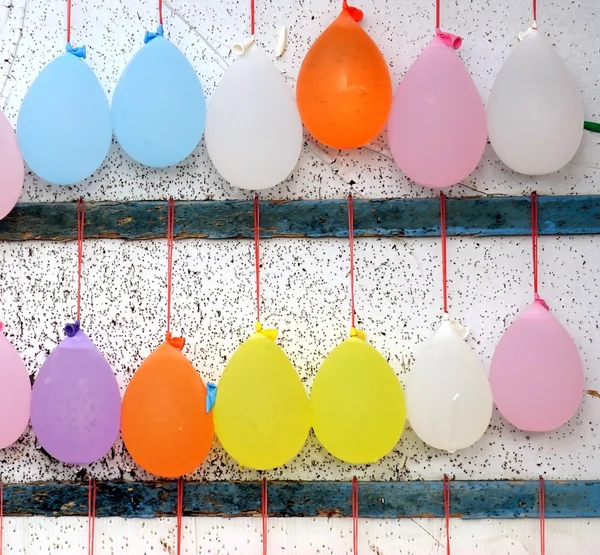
(482, 216)
(469, 499)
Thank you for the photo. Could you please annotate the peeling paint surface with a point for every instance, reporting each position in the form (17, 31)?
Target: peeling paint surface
(305, 282)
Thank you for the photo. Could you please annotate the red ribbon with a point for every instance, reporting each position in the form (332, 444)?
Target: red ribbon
(355, 515)
(80, 231)
(91, 515)
(447, 511)
(264, 512)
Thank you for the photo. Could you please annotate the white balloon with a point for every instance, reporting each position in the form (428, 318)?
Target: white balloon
(253, 128)
(448, 394)
(535, 112)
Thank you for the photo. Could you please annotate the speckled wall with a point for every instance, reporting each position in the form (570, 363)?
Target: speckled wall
(305, 282)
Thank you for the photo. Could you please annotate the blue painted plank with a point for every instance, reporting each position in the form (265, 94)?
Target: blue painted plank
(483, 216)
(469, 499)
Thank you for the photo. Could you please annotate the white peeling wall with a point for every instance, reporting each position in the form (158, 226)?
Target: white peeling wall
(305, 282)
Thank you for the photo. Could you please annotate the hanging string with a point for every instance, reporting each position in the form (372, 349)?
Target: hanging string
(252, 17)
(68, 21)
(351, 240)
(170, 241)
(160, 12)
(447, 511)
(179, 513)
(91, 515)
(444, 254)
(80, 230)
(535, 13)
(534, 239)
(257, 253)
(542, 502)
(355, 515)
(264, 511)
(438, 13)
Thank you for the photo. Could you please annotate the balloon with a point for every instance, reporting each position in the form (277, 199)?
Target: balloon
(535, 112)
(15, 389)
(165, 425)
(76, 403)
(12, 172)
(448, 393)
(253, 129)
(158, 107)
(344, 88)
(536, 372)
(437, 128)
(357, 406)
(261, 411)
(64, 126)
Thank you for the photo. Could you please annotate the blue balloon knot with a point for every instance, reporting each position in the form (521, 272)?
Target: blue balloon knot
(72, 329)
(149, 35)
(211, 396)
(78, 51)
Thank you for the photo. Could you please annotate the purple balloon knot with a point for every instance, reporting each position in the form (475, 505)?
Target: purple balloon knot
(539, 299)
(449, 39)
(72, 329)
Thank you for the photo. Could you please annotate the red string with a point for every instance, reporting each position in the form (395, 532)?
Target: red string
(535, 11)
(91, 515)
(1, 513)
(170, 241)
(264, 511)
(257, 253)
(534, 238)
(438, 11)
(355, 515)
(447, 511)
(68, 20)
(160, 12)
(444, 254)
(542, 501)
(252, 17)
(179, 513)
(351, 240)
(80, 230)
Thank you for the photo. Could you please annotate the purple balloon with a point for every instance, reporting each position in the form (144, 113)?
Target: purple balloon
(76, 402)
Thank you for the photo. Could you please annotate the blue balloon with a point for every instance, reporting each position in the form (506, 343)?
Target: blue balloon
(64, 126)
(158, 106)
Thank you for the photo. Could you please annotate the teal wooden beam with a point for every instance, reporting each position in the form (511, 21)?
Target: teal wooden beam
(481, 216)
(469, 499)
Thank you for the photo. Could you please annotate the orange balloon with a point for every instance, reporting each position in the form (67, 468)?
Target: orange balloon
(344, 89)
(164, 422)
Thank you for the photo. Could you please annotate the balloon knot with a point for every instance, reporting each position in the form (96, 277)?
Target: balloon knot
(1, 326)
(211, 396)
(539, 299)
(355, 13)
(72, 329)
(449, 39)
(358, 333)
(149, 35)
(177, 342)
(78, 51)
(270, 333)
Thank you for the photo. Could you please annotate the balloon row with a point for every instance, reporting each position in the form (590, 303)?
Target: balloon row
(261, 412)
(344, 98)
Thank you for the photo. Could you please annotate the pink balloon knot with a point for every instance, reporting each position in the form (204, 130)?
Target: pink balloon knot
(1, 326)
(72, 329)
(177, 342)
(355, 13)
(449, 39)
(539, 299)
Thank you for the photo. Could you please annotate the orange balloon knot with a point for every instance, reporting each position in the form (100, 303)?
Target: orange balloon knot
(71, 329)
(177, 342)
(355, 13)
(449, 39)
(358, 333)
(539, 299)
(270, 333)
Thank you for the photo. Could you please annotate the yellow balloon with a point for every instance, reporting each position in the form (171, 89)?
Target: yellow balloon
(357, 405)
(261, 411)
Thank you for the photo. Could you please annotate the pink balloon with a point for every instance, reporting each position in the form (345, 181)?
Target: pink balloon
(15, 392)
(12, 171)
(437, 128)
(537, 373)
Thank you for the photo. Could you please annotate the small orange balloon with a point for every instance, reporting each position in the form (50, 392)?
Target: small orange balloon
(344, 89)
(164, 422)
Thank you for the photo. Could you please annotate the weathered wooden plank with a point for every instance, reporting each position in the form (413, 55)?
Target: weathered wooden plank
(482, 216)
(469, 499)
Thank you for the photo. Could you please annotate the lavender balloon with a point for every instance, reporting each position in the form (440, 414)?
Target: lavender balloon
(76, 403)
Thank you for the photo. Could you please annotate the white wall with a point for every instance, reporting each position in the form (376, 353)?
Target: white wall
(305, 288)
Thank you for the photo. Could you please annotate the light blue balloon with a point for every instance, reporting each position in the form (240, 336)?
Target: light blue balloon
(64, 126)
(158, 107)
